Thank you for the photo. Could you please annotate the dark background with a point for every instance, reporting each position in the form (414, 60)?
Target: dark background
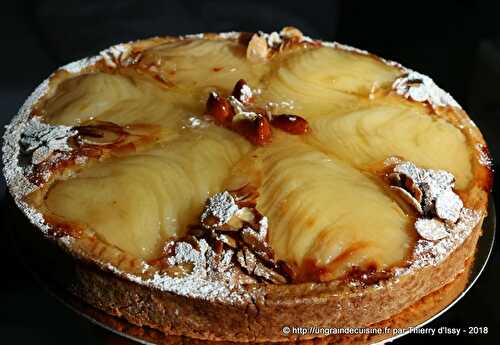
(457, 43)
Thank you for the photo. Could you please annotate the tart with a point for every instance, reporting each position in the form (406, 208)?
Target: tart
(223, 186)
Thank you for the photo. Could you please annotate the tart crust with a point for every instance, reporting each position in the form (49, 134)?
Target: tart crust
(125, 286)
(62, 277)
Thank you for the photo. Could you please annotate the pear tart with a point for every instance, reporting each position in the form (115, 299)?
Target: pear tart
(222, 186)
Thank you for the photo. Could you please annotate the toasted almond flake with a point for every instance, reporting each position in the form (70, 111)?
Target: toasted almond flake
(431, 229)
(245, 214)
(258, 245)
(220, 206)
(226, 239)
(263, 227)
(257, 50)
(448, 206)
(431, 183)
(408, 198)
(40, 139)
(421, 88)
(273, 39)
(247, 260)
(268, 274)
(409, 170)
(100, 133)
(236, 104)
(291, 32)
(245, 116)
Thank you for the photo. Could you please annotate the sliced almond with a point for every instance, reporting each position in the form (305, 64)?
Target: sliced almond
(431, 229)
(257, 50)
(100, 133)
(179, 270)
(247, 260)
(245, 214)
(413, 189)
(407, 183)
(408, 198)
(290, 32)
(448, 206)
(246, 196)
(287, 269)
(243, 279)
(257, 244)
(234, 224)
(218, 246)
(219, 209)
(269, 274)
(245, 116)
(169, 248)
(228, 240)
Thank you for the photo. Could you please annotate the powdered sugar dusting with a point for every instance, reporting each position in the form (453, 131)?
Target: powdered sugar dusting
(221, 206)
(40, 140)
(229, 35)
(448, 206)
(211, 278)
(13, 170)
(236, 104)
(78, 66)
(421, 88)
(239, 108)
(273, 39)
(432, 253)
(193, 36)
(263, 227)
(246, 93)
(431, 229)
(432, 183)
(119, 54)
(345, 47)
(444, 222)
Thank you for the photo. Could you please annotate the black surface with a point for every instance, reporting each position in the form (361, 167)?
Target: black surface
(456, 43)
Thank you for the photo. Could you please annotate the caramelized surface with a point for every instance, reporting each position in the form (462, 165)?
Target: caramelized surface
(324, 205)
